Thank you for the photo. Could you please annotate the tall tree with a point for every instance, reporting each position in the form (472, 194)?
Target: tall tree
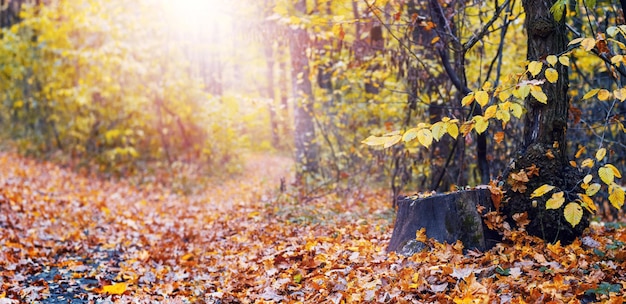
(305, 145)
(544, 149)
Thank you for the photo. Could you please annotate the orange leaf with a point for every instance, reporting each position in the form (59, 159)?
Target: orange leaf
(115, 289)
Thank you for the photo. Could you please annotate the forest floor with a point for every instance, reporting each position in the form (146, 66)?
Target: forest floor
(66, 238)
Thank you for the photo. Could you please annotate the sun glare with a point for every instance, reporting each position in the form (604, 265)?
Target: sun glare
(198, 15)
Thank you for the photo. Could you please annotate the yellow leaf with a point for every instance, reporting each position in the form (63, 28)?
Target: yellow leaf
(587, 163)
(191, 256)
(540, 96)
(425, 137)
(617, 59)
(522, 91)
(410, 134)
(115, 289)
(467, 100)
(467, 127)
(453, 130)
(591, 93)
(620, 94)
(534, 68)
(588, 44)
(600, 154)
(606, 175)
(573, 213)
(481, 124)
(552, 60)
(482, 98)
(580, 151)
(616, 196)
(615, 171)
(541, 190)
(391, 140)
(491, 111)
(564, 60)
(604, 94)
(556, 201)
(592, 189)
(588, 203)
(373, 140)
(577, 40)
(552, 75)
(503, 96)
(439, 129)
(587, 178)
(517, 110)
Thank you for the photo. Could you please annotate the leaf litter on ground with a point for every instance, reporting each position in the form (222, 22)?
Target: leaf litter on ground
(68, 238)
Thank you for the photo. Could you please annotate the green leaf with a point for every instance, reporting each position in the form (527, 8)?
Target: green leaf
(557, 9)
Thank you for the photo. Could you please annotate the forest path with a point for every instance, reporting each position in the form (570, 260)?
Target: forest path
(69, 238)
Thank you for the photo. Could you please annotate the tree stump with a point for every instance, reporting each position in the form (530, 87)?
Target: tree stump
(447, 218)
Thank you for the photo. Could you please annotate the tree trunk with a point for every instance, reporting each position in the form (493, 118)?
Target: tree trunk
(544, 145)
(305, 146)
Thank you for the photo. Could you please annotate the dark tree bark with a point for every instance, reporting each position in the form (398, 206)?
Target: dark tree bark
(305, 145)
(446, 218)
(544, 143)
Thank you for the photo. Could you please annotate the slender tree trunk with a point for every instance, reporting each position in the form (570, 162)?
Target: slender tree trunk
(283, 87)
(269, 55)
(305, 145)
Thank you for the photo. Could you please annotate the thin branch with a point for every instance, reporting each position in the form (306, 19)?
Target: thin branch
(470, 43)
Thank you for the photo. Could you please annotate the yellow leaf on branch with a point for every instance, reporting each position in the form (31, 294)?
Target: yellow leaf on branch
(600, 154)
(425, 137)
(573, 213)
(556, 201)
(588, 203)
(540, 96)
(545, 188)
(481, 124)
(482, 98)
(552, 60)
(616, 172)
(592, 189)
(591, 93)
(534, 67)
(604, 94)
(606, 175)
(616, 195)
(552, 75)
(467, 100)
